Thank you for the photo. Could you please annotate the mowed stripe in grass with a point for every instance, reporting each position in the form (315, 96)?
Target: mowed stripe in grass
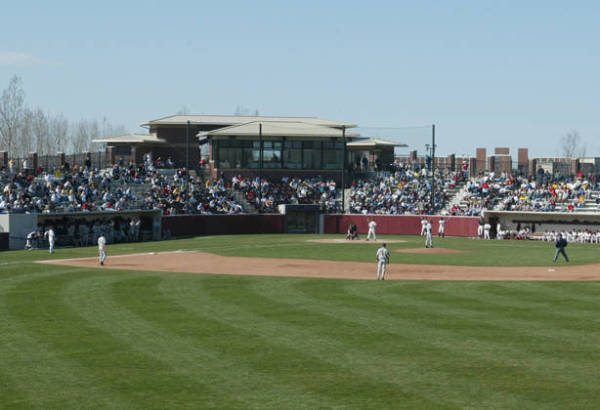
(72, 338)
(480, 356)
(92, 367)
(477, 252)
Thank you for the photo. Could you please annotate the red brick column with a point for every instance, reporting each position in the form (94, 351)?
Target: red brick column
(33, 161)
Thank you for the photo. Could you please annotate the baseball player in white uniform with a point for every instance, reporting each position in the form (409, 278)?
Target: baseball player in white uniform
(428, 235)
(480, 228)
(486, 231)
(423, 225)
(442, 228)
(32, 240)
(383, 258)
(51, 238)
(102, 248)
(499, 233)
(372, 225)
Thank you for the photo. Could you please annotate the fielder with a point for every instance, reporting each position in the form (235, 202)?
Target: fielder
(499, 232)
(372, 225)
(51, 238)
(486, 231)
(102, 248)
(480, 228)
(442, 228)
(382, 258)
(423, 225)
(428, 235)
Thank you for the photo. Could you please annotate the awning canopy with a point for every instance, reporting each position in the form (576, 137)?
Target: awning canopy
(373, 143)
(278, 129)
(131, 139)
(227, 120)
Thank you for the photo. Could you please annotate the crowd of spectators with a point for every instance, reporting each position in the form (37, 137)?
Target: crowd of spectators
(407, 190)
(177, 194)
(265, 195)
(509, 193)
(404, 190)
(84, 189)
(67, 189)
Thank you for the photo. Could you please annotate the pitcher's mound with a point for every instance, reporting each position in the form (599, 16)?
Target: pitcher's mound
(442, 251)
(341, 240)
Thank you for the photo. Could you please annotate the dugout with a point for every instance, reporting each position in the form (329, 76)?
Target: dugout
(300, 218)
(3, 241)
(538, 222)
(19, 225)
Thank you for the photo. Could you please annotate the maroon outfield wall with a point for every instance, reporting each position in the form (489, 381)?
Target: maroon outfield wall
(192, 225)
(400, 224)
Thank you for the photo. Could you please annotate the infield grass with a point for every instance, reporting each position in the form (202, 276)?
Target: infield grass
(100, 338)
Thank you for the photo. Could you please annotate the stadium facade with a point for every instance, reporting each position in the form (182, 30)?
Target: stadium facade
(252, 145)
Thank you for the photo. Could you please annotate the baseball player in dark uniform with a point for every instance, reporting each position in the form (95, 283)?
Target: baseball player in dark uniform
(352, 232)
(561, 244)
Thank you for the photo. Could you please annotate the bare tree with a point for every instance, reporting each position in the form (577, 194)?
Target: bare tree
(240, 110)
(244, 111)
(24, 143)
(571, 145)
(59, 133)
(11, 113)
(106, 130)
(40, 127)
(185, 110)
(24, 129)
(84, 132)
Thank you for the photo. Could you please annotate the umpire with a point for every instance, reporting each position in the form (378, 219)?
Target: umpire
(561, 244)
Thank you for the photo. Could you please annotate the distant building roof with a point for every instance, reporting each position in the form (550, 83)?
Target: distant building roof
(374, 143)
(227, 120)
(278, 129)
(131, 138)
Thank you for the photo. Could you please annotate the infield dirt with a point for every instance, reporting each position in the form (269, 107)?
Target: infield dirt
(207, 263)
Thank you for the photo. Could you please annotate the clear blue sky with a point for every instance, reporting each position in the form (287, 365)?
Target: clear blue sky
(488, 73)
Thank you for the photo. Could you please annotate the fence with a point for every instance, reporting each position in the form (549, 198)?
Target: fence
(50, 162)
(399, 224)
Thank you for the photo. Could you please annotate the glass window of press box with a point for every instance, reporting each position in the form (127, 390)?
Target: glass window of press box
(282, 154)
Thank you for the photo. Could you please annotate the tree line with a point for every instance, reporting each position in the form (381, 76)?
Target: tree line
(25, 129)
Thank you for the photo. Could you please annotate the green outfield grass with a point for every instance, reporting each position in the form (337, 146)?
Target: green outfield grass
(100, 338)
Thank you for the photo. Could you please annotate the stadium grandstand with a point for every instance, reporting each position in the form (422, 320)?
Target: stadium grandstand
(240, 165)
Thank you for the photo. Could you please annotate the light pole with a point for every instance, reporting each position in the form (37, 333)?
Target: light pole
(260, 163)
(344, 169)
(187, 150)
(431, 154)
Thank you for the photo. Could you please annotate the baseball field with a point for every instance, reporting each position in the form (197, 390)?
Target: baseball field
(298, 321)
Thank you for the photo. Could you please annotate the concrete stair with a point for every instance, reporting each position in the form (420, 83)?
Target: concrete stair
(456, 197)
(241, 199)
